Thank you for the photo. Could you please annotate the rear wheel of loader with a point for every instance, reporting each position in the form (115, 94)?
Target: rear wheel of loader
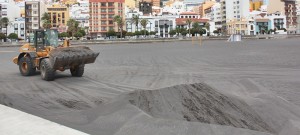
(47, 72)
(26, 66)
(77, 71)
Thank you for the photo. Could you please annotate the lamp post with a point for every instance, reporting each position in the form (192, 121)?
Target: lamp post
(150, 26)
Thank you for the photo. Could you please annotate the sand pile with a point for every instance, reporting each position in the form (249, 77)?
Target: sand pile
(198, 103)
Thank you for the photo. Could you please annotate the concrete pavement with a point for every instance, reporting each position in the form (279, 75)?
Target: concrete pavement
(15, 122)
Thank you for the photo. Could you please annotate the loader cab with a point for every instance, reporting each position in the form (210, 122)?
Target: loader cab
(44, 38)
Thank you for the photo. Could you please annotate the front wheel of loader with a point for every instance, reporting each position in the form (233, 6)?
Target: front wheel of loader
(77, 71)
(26, 66)
(47, 72)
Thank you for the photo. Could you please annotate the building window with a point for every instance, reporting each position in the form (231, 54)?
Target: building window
(110, 4)
(103, 4)
(103, 22)
(16, 26)
(110, 22)
(22, 25)
(103, 10)
(34, 12)
(111, 28)
(16, 32)
(35, 25)
(110, 10)
(103, 28)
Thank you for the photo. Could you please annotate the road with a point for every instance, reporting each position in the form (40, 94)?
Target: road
(264, 74)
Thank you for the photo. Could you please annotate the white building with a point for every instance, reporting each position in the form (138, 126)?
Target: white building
(80, 12)
(215, 16)
(175, 8)
(161, 24)
(8, 9)
(18, 27)
(236, 9)
(277, 20)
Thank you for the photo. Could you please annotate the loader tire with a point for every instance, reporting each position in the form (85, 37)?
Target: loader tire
(77, 71)
(26, 66)
(47, 72)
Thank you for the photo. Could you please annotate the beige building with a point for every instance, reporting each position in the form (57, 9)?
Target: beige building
(33, 15)
(130, 4)
(276, 5)
(204, 6)
(102, 14)
(154, 2)
(59, 15)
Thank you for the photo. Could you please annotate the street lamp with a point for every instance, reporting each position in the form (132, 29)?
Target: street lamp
(150, 26)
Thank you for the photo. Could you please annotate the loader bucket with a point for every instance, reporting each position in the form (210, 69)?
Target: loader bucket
(71, 56)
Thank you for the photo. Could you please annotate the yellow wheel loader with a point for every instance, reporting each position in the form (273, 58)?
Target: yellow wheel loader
(44, 53)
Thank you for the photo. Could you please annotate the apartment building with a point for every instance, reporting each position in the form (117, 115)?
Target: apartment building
(80, 12)
(235, 12)
(11, 11)
(255, 4)
(18, 25)
(33, 15)
(214, 14)
(102, 13)
(275, 6)
(156, 3)
(59, 15)
(291, 15)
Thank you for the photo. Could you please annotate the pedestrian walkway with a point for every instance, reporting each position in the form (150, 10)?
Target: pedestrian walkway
(15, 122)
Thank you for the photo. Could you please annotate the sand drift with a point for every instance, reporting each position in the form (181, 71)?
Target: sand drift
(198, 103)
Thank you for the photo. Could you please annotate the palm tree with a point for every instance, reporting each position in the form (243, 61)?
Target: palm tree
(207, 26)
(72, 27)
(119, 20)
(135, 19)
(46, 21)
(144, 23)
(4, 23)
(189, 22)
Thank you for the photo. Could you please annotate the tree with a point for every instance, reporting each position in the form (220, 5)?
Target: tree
(189, 22)
(119, 20)
(145, 32)
(82, 31)
(78, 34)
(207, 26)
(135, 19)
(2, 36)
(196, 28)
(4, 23)
(152, 33)
(111, 33)
(172, 32)
(63, 34)
(13, 36)
(72, 27)
(216, 31)
(144, 23)
(137, 33)
(46, 21)
(129, 34)
(184, 33)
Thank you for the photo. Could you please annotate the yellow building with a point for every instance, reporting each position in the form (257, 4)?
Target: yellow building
(255, 5)
(59, 15)
(69, 2)
(130, 3)
(237, 27)
(205, 5)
